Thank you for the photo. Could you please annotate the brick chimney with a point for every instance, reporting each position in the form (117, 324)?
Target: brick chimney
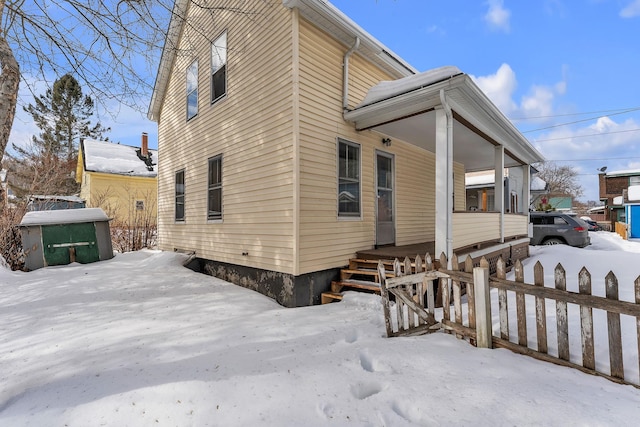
(144, 150)
(602, 184)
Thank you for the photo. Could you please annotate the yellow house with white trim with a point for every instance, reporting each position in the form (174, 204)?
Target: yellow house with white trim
(120, 179)
(292, 140)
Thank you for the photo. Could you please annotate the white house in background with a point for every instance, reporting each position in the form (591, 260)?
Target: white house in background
(480, 190)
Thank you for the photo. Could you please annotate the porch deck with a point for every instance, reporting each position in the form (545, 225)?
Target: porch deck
(510, 250)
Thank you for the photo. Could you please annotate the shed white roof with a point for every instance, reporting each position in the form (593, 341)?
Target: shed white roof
(64, 216)
(108, 157)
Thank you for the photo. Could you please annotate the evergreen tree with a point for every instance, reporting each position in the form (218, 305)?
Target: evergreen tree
(63, 114)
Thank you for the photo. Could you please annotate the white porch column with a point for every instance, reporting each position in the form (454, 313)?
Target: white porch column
(526, 188)
(499, 187)
(444, 184)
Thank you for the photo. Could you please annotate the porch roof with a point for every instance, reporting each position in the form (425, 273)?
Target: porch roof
(406, 109)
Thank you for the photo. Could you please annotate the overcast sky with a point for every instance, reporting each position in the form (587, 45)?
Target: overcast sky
(565, 72)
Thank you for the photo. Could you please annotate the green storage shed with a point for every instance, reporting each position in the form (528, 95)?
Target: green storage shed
(59, 237)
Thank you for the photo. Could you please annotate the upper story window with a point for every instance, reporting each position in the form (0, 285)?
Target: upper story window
(179, 196)
(634, 180)
(192, 90)
(214, 188)
(348, 179)
(219, 67)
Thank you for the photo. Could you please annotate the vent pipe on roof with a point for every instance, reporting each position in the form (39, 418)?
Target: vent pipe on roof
(345, 75)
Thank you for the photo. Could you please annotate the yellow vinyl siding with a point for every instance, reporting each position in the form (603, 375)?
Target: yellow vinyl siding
(250, 127)
(459, 188)
(474, 227)
(117, 194)
(327, 241)
(516, 225)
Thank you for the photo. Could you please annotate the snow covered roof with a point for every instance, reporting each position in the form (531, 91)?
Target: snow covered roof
(623, 172)
(108, 157)
(389, 89)
(487, 179)
(56, 198)
(64, 216)
(633, 193)
(538, 184)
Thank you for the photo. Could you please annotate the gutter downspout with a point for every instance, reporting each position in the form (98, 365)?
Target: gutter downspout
(449, 204)
(345, 75)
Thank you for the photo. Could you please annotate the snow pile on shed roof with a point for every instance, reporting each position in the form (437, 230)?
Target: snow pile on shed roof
(107, 157)
(64, 216)
(389, 89)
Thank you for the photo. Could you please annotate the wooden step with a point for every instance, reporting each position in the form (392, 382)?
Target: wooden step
(356, 263)
(346, 274)
(337, 287)
(327, 297)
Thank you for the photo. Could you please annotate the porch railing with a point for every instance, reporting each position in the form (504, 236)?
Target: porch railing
(470, 228)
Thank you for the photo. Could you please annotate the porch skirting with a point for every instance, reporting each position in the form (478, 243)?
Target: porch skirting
(286, 289)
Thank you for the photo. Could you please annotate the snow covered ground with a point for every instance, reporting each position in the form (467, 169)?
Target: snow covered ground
(140, 340)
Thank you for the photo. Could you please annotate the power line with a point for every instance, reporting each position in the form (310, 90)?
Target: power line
(576, 114)
(591, 134)
(579, 121)
(591, 160)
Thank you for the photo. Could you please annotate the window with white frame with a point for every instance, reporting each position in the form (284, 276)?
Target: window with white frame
(634, 180)
(179, 195)
(219, 67)
(192, 90)
(348, 179)
(214, 188)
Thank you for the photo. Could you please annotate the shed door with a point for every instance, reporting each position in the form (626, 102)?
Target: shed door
(634, 218)
(385, 218)
(59, 241)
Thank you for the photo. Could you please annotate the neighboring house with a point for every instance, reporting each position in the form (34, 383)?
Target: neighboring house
(291, 139)
(632, 211)
(555, 202)
(480, 190)
(613, 187)
(52, 203)
(120, 179)
(6, 192)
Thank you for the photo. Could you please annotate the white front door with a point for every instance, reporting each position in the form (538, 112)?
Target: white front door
(385, 212)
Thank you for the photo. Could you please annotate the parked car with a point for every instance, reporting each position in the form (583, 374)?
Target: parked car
(593, 225)
(556, 228)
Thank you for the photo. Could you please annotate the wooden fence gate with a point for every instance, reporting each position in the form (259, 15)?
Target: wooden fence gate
(413, 291)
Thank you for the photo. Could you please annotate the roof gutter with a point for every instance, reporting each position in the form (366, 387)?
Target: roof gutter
(345, 75)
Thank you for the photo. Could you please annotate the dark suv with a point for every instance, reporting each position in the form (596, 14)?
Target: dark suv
(555, 228)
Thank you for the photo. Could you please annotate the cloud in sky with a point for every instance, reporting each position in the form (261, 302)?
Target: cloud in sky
(632, 10)
(497, 16)
(499, 87)
(585, 145)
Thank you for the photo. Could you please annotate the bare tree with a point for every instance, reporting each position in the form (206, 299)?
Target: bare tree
(112, 48)
(562, 179)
